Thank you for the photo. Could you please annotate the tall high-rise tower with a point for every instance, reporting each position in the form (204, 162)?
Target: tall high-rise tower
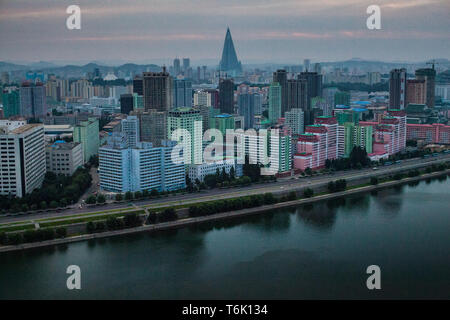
(397, 89)
(280, 76)
(229, 62)
(157, 89)
(428, 74)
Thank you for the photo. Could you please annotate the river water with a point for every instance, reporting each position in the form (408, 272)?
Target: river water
(315, 251)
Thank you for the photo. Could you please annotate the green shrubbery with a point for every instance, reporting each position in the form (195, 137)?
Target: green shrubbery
(32, 236)
(56, 191)
(338, 185)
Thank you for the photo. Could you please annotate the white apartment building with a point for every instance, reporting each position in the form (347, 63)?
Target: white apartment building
(22, 154)
(199, 171)
(295, 120)
(130, 126)
(142, 167)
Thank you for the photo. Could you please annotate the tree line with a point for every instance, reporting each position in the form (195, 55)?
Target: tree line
(32, 236)
(56, 191)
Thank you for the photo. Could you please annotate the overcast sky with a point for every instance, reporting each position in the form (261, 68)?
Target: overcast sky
(283, 31)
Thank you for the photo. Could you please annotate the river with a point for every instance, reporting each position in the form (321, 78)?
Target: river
(318, 251)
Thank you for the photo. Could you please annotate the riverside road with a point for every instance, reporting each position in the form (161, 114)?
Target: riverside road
(282, 185)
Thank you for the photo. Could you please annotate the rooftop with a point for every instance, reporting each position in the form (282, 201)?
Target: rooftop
(26, 127)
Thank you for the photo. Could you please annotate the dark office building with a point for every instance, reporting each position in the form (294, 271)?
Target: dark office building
(314, 83)
(397, 89)
(157, 89)
(138, 85)
(280, 76)
(226, 96)
(429, 75)
(297, 97)
(126, 103)
(297, 94)
(32, 100)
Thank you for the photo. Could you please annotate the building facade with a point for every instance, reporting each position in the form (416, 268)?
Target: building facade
(157, 90)
(64, 157)
(144, 167)
(191, 122)
(87, 133)
(23, 159)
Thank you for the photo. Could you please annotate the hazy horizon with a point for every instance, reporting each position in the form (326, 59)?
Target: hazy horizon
(264, 31)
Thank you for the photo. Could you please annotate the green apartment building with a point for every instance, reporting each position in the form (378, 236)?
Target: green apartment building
(87, 133)
(274, 102)
(342, 98)
(355, 135)
(222, 122)
(11, 103)
(192, 121)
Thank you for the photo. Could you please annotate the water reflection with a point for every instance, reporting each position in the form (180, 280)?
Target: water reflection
(276, 221)
(319, 216)
(235, 259)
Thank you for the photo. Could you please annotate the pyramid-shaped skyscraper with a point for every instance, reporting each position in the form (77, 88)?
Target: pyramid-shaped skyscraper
(229, 62)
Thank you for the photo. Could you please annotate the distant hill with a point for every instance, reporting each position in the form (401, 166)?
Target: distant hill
(76, 71)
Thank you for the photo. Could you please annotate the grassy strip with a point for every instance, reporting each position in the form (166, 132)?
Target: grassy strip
(18, 228)
(88, 219)
(122, 210)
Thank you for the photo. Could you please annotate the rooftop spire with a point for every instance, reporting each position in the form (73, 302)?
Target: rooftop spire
(229, 61)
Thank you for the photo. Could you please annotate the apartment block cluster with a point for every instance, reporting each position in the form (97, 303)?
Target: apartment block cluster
(29, 150)
(135, 122)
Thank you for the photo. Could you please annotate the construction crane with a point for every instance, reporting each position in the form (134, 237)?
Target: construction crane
(432, 62)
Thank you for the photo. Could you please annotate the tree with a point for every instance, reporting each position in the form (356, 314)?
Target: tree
(152, 217)
(232, 173)
(292, 196)
(15, 238)
(210, 180)
(63, 202)
(154, 193)
(308, 193)
(91, 199)
(251, 170)
(90, 227)
(308, 171)
(119, 197)
(374, 180)
(137, 195)
(269, 198)
(131, 220)
(61, 232)
(3, 238)
(43, 205)
(128, 195)
(101, 198)
(93, 160)
(224, 175)
(100, 226)
(331, 186)
(168, 214)
(145, 194)
(54, 204)
(358, 155)
(113, 223)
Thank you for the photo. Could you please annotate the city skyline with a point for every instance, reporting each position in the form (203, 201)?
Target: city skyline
(263, 31)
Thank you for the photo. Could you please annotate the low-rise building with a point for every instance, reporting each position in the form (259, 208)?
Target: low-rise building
(199, 171)
(64, 157)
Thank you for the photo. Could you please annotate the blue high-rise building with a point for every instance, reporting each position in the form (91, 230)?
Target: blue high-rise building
(182, 93)
(143, 167)
(249, 105)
